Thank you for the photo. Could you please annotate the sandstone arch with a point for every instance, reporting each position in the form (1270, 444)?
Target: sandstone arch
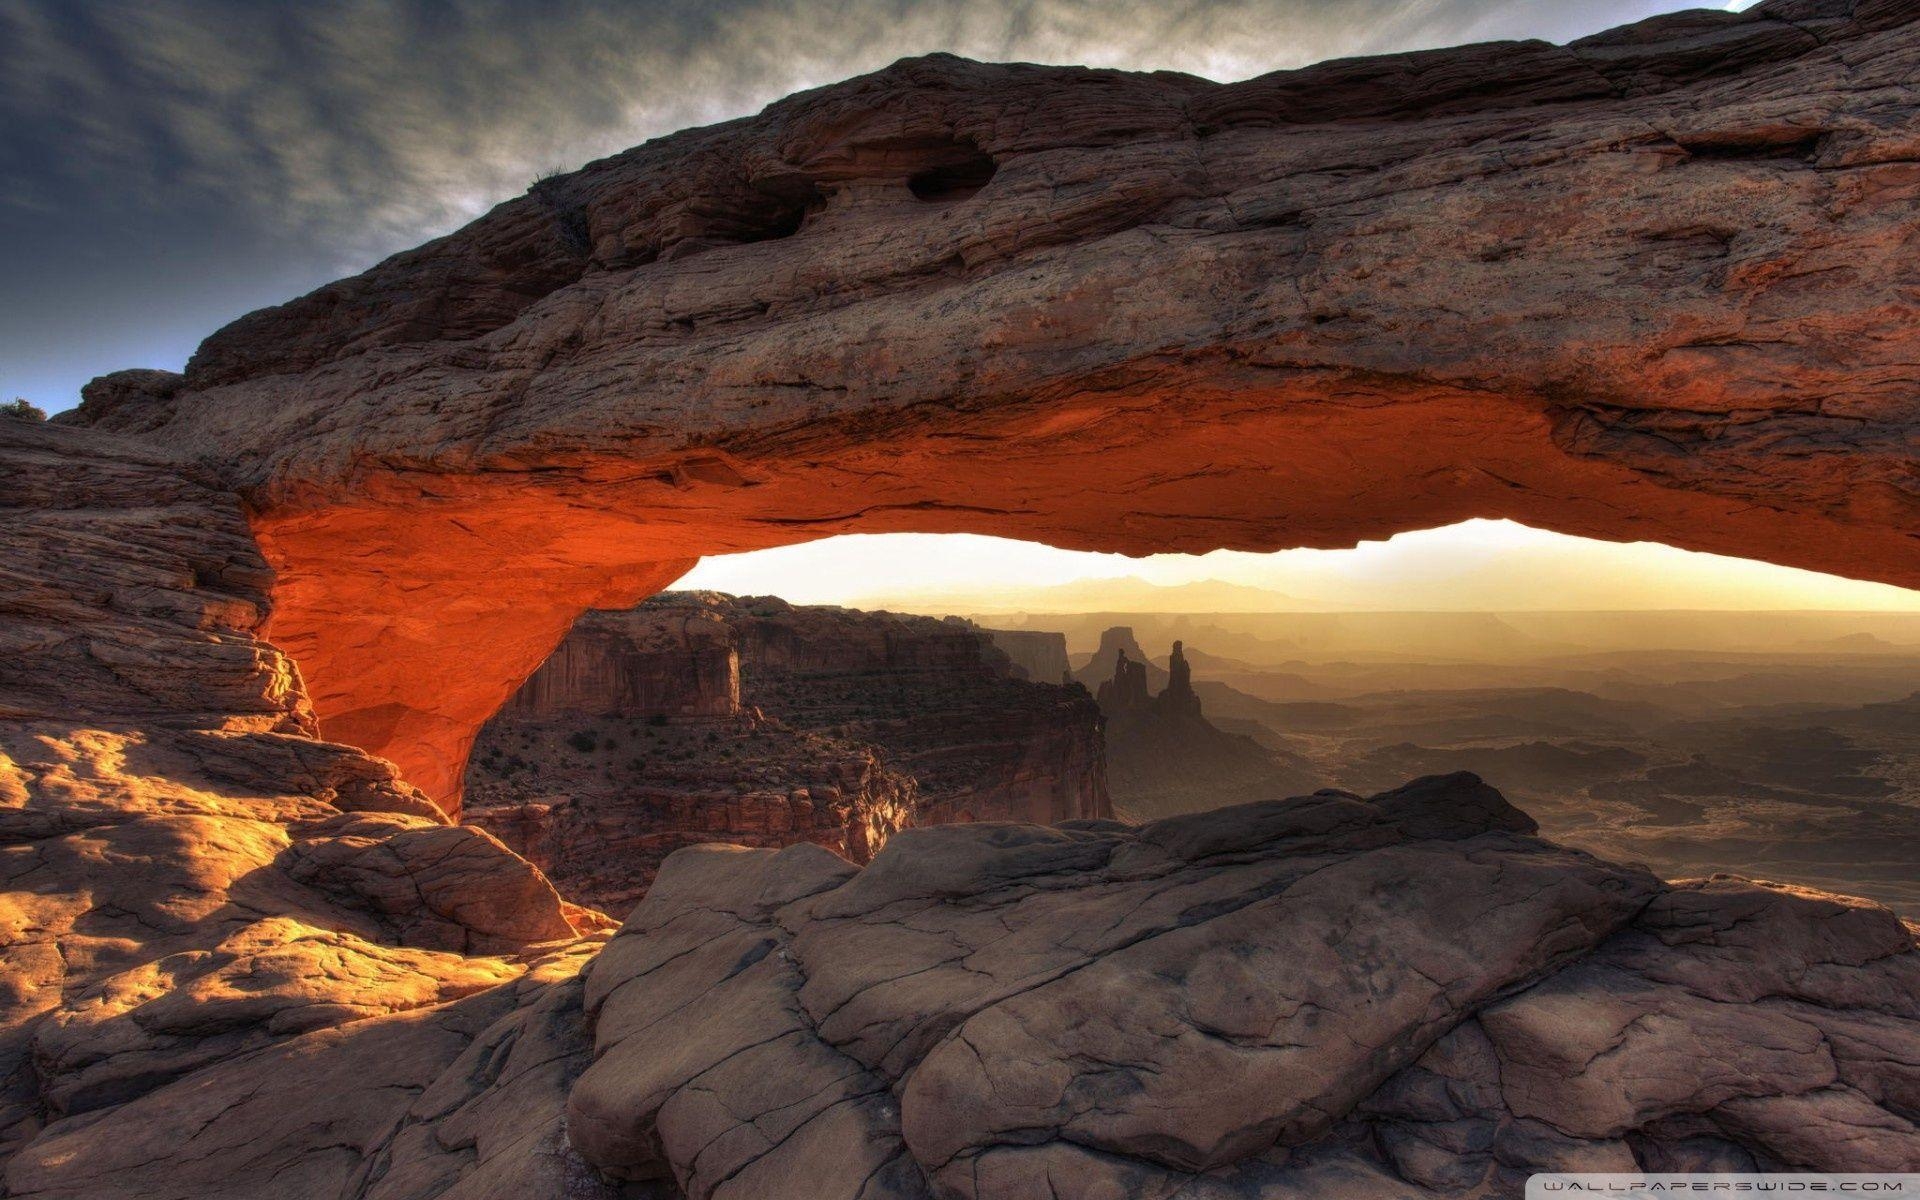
(1659, 284)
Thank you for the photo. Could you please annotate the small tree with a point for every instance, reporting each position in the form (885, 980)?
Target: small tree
(22, 409)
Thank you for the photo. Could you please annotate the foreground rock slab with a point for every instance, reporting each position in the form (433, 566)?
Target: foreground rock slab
(1408, 995)
(1405, 996)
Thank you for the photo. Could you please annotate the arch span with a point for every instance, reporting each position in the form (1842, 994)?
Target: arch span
(1661, 284)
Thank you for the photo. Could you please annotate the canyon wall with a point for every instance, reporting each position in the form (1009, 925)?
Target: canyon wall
(607, 666)
(599, 803)
(1656, 284)
(1039, 655)
(697, 717)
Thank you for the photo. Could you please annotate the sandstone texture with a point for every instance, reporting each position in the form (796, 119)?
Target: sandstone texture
(243, 963)
(1659, 283)
(1655, 284)
(1404, 996)
(192, 877)
(699, 717)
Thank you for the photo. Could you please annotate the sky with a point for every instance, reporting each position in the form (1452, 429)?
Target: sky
(168, 165)
(1495, 566)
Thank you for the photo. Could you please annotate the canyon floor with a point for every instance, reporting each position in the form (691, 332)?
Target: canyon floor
(1784, 746)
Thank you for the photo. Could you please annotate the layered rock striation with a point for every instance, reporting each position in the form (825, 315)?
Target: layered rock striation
(698, 717)
(1655, 284)
(192, 877)
(598, 803)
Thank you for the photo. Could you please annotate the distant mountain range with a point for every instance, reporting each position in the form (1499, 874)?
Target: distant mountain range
(1127, 594)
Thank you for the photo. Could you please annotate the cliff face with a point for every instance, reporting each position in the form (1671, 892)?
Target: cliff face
(597, 802)
(1039, 656)
(697, 717)
(607, 666)
(1655, 284)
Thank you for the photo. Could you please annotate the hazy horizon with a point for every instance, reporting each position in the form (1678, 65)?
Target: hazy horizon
(1473, 566)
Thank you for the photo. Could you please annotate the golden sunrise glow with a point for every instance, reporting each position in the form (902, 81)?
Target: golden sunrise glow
(1473, 566)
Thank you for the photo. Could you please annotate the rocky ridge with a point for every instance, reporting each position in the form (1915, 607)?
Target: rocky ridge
(1163, 755)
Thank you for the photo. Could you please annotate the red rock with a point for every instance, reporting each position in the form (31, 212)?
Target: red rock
(697, 717)
(1656, 284)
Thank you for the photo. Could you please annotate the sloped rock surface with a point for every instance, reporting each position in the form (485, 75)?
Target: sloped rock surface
(457, 1100)
(1655, 284)
(1409, 995)
(190, 874)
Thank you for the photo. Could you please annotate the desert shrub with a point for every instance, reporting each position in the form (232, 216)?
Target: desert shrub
(582, 740)
(24, 410)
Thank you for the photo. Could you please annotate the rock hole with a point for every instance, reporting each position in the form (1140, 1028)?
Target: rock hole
(1756, 144)
(954, 180)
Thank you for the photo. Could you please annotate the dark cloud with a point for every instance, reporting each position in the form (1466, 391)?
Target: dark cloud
(165, 166)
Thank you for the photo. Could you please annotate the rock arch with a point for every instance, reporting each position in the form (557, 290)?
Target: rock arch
(1661, 283)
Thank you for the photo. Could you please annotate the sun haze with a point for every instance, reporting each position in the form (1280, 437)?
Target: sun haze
(1480, 565)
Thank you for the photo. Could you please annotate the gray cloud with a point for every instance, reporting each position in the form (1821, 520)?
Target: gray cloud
(165, 165)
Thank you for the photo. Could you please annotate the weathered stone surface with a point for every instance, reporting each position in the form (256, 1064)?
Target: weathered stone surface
(1409, 996)
(458, 1100)
(1403, 996)
(1656, 284)
(191, 876)
(699, 717)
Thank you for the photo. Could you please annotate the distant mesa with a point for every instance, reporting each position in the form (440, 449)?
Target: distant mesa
(698, 716)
